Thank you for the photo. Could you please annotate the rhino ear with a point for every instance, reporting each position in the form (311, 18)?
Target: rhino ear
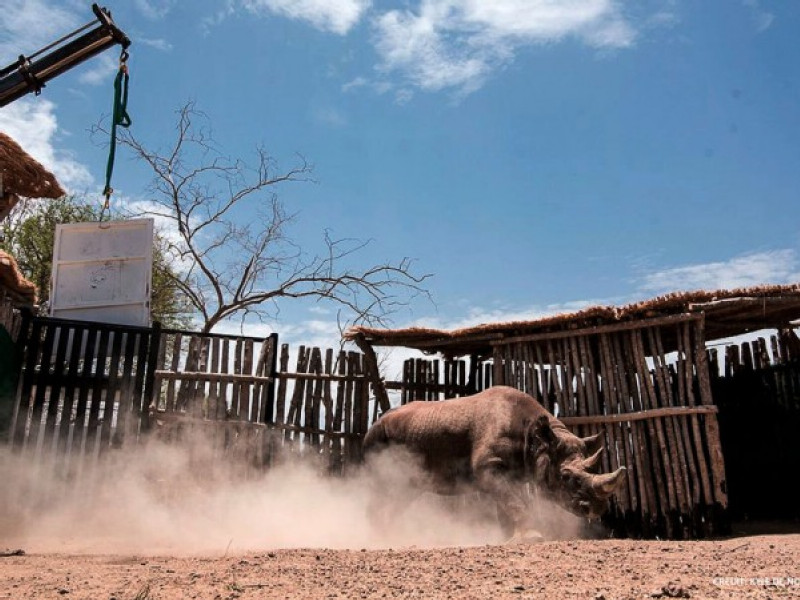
(544, 432)
(592, 443)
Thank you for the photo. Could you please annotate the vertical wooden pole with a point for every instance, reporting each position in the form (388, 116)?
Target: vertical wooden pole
(61, 433)
(280, 401)
(177, 341)
(373, 372)
(497, 366)
(712, 426)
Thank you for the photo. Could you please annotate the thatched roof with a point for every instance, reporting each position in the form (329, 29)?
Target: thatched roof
(13, 283)
(22, 175)
(727, 313)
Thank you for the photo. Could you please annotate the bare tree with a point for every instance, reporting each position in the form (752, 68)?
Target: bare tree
(230, 236)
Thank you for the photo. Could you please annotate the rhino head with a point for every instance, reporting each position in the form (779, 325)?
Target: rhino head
(564, 469)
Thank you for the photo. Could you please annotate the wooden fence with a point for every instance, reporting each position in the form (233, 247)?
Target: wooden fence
(87, 388)
(81, 389)
(239, 395)
(426, 379)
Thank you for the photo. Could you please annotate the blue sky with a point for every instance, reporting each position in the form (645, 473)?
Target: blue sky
(535, 156)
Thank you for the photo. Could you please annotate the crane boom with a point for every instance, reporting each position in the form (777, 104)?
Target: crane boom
(31, 73)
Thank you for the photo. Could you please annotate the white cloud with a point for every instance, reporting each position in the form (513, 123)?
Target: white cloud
(310, 332)
(321, 310)
(459, 43)
(355, 83)
(101, 70)
(154, 9)
(663, 18)
(337, 16)
(762, 19)
(222, 13)
(33, 124)
(28, 25)
(771, 267)
(476, 315)
(454, 44)
(147, 208)
(157, 43)
(330, 117)
(313, 333)
(777, 266)
(234, 326)
(403, 96)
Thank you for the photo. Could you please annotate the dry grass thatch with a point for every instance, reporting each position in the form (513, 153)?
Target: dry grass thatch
(22, 175)
(728, 312)
(13, 283)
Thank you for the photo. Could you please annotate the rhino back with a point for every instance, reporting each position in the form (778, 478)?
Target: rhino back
(458, 426)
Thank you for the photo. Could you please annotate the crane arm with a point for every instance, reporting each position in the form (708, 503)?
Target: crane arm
(31, 73)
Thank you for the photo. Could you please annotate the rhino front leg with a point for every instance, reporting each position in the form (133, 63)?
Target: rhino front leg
(513, 507)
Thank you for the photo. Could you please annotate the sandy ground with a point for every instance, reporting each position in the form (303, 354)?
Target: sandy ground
(763, 566)
(161, 524)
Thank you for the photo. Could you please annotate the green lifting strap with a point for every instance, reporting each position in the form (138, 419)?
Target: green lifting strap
(120, 117)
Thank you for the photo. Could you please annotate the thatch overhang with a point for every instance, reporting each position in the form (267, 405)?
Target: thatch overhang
(23, 176)
(727, 313)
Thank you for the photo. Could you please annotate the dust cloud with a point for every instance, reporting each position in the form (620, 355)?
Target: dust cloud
(166, 499)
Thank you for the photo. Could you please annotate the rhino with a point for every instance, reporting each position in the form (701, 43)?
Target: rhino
(499, 441)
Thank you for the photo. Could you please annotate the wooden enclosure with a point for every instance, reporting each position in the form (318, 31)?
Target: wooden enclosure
(669, 407)
(89, 388)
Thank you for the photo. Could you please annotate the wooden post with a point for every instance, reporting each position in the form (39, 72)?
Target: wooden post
(712, 427)
(272, 365)
(378, 385)
(153, 353)
(497, 366)
(176, 355)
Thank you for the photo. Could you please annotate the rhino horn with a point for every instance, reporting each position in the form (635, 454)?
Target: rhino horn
(608, 482)
(590, 463)
(592, 443)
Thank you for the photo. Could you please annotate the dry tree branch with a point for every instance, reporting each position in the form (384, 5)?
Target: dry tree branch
(241, 265)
